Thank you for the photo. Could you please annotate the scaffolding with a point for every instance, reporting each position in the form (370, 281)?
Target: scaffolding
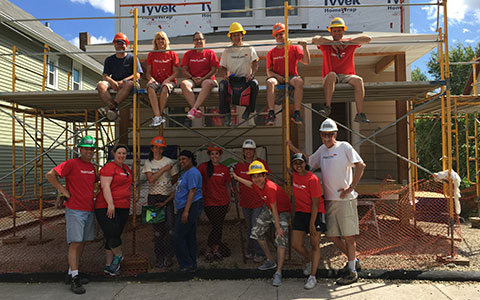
(25, 105)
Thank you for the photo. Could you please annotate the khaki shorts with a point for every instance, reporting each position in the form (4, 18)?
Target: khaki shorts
(157, 86)
(342, 217)
(342, 78)
(264, 220)
(197, 86)
(107, 83)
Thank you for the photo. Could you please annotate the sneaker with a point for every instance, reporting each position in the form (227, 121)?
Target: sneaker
(108, 271)
(326, 111)
(68, 279)
(297, 118)
(361, 118)
(76, 285)
(311, 283)
(258, 258)
(115, 266)
(347, 278)
(198, 113)
(277, 279)
(227, 120)
(358, 266)
(191, 113)
(249, 256)
(307, 270)
(157, 121)
(246, 114)
(270, 118)
(267, 265)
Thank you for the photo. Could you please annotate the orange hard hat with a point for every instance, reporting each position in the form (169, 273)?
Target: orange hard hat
(213, 147)
(159, 141)
(121, 37)
(277, 28)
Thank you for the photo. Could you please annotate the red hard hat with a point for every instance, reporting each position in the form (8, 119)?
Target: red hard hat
(159, 141)
(213, 147)
(277, 28)
(122, 37)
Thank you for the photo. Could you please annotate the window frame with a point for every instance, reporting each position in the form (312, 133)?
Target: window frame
(52, 60)
(79, 67)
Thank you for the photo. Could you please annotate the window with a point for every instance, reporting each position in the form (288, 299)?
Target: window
(52, 73)
(76, 76)
(234, 5)
(280, 12)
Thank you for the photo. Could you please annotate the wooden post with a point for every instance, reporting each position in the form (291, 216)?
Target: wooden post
(401, 127)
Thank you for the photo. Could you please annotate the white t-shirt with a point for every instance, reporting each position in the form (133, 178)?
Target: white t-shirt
(163, 185)
(336, 166)
(238, 60)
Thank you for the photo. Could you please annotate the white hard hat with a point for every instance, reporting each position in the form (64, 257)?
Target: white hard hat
(249, 144)
(328, 125)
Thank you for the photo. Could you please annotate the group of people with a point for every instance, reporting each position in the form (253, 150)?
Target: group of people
(237, 66)
(184, 191)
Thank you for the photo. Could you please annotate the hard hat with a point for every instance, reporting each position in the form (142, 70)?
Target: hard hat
(213, 147)
(337, 22)
(299, 156)
(87, 142)
(121, 37)
(249, 144)
(236, 27)
(159, 141)
(256, 167)
(277, 28)
(328, 125)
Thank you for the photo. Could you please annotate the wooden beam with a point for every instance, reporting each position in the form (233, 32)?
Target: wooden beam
(401, 127)
(384, 63)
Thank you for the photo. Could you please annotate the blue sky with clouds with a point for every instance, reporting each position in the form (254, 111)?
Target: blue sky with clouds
(464, 19)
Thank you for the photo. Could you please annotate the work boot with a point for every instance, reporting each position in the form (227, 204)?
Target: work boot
(361, 118)
(325, 111)
(76, 285)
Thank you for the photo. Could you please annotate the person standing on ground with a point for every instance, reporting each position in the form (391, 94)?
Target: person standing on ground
(162, 72)
(216, 195)
(199, 68)
(117, 76)
(189, 205)
(276, 72)
(337, 160)
(162, 172)
(339, 66)
(80, 177)
(309, 215)
(275, 212)
(112, 206)
(250, 201)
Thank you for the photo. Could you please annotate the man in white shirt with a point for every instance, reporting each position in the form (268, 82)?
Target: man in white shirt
(336, 160)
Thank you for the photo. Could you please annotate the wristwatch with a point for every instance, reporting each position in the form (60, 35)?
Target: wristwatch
(352, 186)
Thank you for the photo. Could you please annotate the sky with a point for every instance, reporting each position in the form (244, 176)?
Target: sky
(463, 19)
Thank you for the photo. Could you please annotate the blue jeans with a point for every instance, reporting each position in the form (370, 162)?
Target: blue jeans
(251, 215)
(185, 236)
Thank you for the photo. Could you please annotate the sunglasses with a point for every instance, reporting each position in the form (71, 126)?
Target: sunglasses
(327, 134)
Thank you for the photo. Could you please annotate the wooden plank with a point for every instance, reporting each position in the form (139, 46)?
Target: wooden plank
(384, 63)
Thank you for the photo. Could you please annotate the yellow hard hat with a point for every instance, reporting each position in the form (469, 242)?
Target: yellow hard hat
(337, 22)
(236, 27)
(256, 167)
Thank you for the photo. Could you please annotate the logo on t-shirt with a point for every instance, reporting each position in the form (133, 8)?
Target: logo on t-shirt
(162, 61)
(198, 60)
(328, 156)
(219, 174)
(87, 172)
(299, 186)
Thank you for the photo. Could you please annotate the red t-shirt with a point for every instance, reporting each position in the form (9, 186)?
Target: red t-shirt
(272, 193)
(120, 186)
(80, 177)
(341, 63)
(199, 64)
(276, 60)
(214, 188)
(248, 197)
(305, 188)
(162, 64)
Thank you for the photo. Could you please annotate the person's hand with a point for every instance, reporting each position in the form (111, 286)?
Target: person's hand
(279, 232)
(302, 43)
(197, 80)
(66, 193)
(161, 204)
(249, 77)
(280, 79)
(168, 167)
(166, 81)
(184, 217)
(313, 232)
(115, 85)
(345, 192)
(232, 174)
(111, 211)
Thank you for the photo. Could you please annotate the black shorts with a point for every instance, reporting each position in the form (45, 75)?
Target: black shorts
(301, 222)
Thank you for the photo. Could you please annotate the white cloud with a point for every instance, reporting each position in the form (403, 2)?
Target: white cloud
(413, 29)
(107, 6)
(465, 30)
(458, 10)
(470, 41)
(93, 40)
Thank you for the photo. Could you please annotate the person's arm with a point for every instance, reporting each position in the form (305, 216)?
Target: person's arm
(361, 40)
(306, 54)
(149, 74)
(162, 204)
(186, 72)
(152, 177)
(52, 177)
(223, 72)
(241, 180)
(320, 40)
(357, 175)
(105, 182)
(313, 216)
(213, 71)
(278, 230)
(113, 83)
(172, 77)
(191, 195)
(254, 70)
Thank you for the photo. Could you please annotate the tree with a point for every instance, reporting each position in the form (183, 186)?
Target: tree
(417, 75)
